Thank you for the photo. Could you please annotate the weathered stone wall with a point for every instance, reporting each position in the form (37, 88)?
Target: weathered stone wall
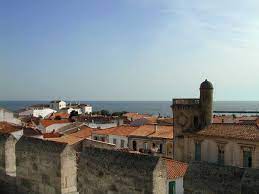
(214, 179)
(7, 163)
(41, 167)
(107, 171)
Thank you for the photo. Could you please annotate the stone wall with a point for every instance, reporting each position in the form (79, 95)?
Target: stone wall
(45, 167)
(108, 171)
(97, 144)
(7, 163)
(209, 178)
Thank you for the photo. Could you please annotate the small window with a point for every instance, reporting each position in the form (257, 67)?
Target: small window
(160, 148)
(145, 146)
(103, 139)
(114, 141)
(122, 143)
(221, 153)
(198, 151)
(95, 138)
(247, 159)
(172, 187)
(134, 145)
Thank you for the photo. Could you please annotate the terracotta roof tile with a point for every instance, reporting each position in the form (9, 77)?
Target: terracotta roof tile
(120, 131)
(6, 127)
(48, 122)
(84, 132)
(143, 131)
(175, 168)
(150, 131)
(70, 140)
(163, 132)
(236, 131)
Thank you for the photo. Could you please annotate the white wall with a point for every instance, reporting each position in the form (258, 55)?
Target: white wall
(178, 185)
(8, 116)
(87, 109)
(37, 112)
(118, 140)
(50, 128)
(58, 105)
(101, 126)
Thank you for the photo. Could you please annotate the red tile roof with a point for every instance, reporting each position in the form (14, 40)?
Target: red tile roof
(236, 131)
(48, 122)
(175, 169)
(150, 131)
(84, 132)
(6, 127)
(120, 131)
(163, 132)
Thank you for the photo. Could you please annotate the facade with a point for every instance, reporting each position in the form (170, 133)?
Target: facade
(196, 138)
(153, 139)
(191, 115)
(57, 104)
(116, 135)
(8, 116)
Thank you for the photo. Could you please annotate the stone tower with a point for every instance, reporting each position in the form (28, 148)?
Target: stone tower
(206, 102)
(191, 115)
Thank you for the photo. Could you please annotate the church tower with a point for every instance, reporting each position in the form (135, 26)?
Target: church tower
(191, 115)
(206, 103)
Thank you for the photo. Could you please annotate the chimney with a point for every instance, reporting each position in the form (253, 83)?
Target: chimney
(155, 127)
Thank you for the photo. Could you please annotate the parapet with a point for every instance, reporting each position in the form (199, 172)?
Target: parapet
(38, 145)
(186, 101)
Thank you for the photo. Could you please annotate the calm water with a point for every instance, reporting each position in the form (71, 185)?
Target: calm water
(151, 107)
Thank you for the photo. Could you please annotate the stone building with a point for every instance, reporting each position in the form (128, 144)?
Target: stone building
(45, 167)
(191, 115)
(196, 138)
(153, 139)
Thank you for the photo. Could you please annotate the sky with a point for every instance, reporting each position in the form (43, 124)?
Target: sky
(128, 49)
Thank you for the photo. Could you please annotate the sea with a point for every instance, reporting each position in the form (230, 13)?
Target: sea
(149, 107)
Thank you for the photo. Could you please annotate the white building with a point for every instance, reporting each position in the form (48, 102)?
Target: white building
(86, 108)
(57, 104)
(48, 126)
(8, 116)
(37, 112)
(80, 108)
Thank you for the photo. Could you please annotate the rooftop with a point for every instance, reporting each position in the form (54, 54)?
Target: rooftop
(6, 127)
(175, 168)
(48, 122)
(232, 130)
(120, 131)
(153, 131)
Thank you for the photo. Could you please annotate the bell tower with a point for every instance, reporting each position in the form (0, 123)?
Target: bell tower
(206, 102)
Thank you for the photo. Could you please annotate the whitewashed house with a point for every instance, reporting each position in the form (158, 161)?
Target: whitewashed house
(8, 116)
(86, 108)
(57, 104)
(48, 125)
(37, 111)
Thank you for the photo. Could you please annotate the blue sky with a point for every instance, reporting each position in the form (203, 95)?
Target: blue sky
(128, 49)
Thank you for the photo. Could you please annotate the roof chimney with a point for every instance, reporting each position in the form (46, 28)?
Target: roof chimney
(155, 127)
